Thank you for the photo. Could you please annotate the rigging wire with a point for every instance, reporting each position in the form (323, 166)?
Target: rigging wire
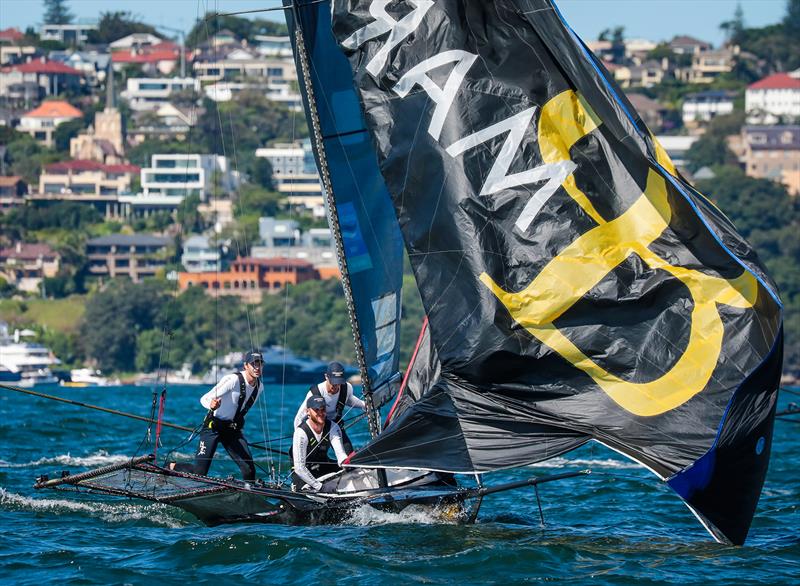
(275, 9)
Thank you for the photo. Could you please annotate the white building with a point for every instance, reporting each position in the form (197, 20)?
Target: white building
(283, 239)
(69, 34)
(302, 190)
(772, 98)
(185, 175)
(677, 147)
(150, 93)
(272, 46)
(134, 41)
(703, 106)
(276, 233)
(289, 159)
(42, 122)
(242, 65)
(199, 256)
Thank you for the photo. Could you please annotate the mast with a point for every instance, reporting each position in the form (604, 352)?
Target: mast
(333, 220)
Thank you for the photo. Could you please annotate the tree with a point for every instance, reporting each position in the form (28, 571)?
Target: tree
(244, 28)
(26, 157)
(115, 25)
(255, 200)
(65, 132)
(791, 21)
(734, 28)
(249, 122)
(751, 204)
(262, 173)
(56, 12)
(115, 317)
(712, 148)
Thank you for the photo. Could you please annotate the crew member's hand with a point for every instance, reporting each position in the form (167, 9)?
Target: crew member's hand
(215, 403)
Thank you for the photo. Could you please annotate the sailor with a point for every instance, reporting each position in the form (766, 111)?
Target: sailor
(313, 438)
(337, 393)
(228, 403)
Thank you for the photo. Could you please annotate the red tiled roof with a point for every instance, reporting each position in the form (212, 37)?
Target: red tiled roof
(11, 34)
(45, 66)
(122, 168)
(776, 81)
(85, 165)
(271, 262)
(10, 181)
(54, 109)
(27, 251)
(162, 46)
(150, 57)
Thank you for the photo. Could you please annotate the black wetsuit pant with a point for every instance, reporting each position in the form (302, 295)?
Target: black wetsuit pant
(234, 443)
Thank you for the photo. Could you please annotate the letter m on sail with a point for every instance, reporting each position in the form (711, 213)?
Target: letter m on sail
(384, 23)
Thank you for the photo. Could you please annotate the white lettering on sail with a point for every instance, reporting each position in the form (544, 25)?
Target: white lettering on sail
(384, 23)
(498, 178)
(442, 96)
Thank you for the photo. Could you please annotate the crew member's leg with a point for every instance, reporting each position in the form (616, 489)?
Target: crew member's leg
(237, 448)
(206, 446)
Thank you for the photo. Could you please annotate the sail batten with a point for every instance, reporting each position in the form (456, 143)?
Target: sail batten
(577, 287)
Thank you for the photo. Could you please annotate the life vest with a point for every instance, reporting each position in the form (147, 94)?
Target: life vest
(237, 423)
(317, 450)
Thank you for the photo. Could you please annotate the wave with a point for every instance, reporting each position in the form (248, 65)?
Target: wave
(99, 458)
(585, 462)
(112, 513)
(412, 515)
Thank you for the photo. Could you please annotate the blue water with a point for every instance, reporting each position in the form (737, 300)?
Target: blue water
(619, 525)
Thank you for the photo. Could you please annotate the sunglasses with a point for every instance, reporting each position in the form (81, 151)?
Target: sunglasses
(256, 363)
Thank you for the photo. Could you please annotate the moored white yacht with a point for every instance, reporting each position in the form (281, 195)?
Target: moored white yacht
(89, 377)
(30, 360)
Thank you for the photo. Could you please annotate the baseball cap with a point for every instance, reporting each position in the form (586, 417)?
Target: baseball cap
(315, 402)
(253, 356)
(335, 373)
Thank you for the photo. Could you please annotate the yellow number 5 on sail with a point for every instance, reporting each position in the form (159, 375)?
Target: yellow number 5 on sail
(584, 263)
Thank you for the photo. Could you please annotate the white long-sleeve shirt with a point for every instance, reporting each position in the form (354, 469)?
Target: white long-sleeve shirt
(227, 390)
(330, 402)
(300, 450)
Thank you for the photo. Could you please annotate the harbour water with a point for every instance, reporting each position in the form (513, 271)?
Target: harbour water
(619, 525)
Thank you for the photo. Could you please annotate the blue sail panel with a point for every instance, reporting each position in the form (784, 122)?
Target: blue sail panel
(372, 254)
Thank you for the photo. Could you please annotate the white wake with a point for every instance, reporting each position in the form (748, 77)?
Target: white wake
(122, 512)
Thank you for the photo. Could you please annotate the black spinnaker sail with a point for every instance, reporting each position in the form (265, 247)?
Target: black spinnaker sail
(577, 287)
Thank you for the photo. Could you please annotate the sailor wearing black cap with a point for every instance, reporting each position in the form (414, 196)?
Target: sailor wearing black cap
(228, 403)
(337, 393)
(310, 445)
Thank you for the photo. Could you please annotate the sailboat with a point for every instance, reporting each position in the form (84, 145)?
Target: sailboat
(577, 288)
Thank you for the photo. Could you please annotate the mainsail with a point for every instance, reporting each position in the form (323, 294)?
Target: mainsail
(370, 247)
(577, 286)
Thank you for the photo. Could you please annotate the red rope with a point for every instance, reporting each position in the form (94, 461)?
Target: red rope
(408, 371)
(158, 425)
